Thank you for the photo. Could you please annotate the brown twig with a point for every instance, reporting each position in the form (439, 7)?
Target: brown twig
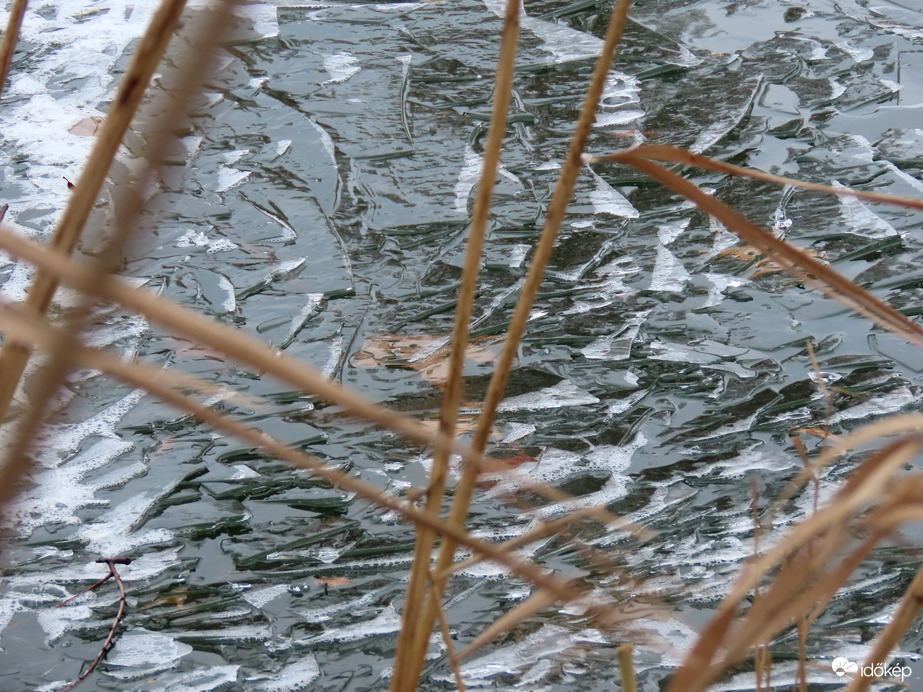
(123, 602)
(665, 152)
(10, 37)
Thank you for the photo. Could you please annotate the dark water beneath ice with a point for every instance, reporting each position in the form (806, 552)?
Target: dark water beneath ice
(324, 207)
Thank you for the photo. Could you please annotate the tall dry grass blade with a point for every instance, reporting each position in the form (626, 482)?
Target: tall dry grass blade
(560, 199)
(131, 89)
(703, 651)
(893, 425)
(908, 610)
(10, 38)
(408, 647)
(627, 668)
(156, 382)
(535, 603)
(667, 153)
(787, 599)
(230, 342)
(791, 258)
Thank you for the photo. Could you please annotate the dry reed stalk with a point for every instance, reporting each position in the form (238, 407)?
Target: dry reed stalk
(670, 154)
(894, 425)
(408, 647)
(10, 38)
(151, 379)
(788, 256)
(561, 197)
(128, 97)
(627, 668)
(910, 606)
(815, 541)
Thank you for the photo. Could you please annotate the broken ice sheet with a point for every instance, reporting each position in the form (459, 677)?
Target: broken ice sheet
(862, 220)
(607, 200)
(616, 346)
(387, 622)
(564, 393)
(145, 650)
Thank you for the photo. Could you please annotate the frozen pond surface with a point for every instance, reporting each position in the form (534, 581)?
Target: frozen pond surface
(324, 207)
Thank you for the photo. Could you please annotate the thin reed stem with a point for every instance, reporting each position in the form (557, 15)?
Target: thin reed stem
(412, 643)
(10, 38)
(561, 197)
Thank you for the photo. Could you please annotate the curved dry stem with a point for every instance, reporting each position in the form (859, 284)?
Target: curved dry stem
(791, 258)
(665, 152)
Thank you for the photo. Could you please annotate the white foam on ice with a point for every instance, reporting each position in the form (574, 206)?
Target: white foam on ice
(197, 238)
(202, 680)
(264, 18)
(230, 300)
(386, 622)
(59, 441)
(141, 648)
(229, 178)
(891, 402)
(261, 597)
(62, 491)
(114, 533)
(55, 622)
(71, 44)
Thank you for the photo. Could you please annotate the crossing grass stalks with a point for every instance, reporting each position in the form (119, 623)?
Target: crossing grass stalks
(788, 583)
